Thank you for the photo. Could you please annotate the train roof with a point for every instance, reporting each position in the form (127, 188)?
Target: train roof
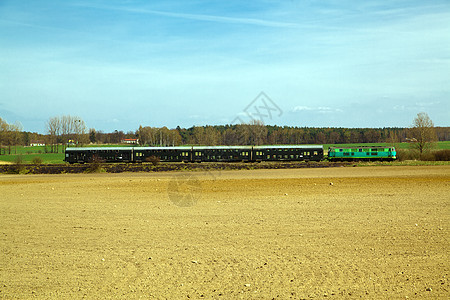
(195, 148)
(96, 148)
(126, 148)
(290, 147)
(221, 147)
(359, 147)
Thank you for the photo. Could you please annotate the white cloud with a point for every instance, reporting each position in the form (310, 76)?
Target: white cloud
(319, 109)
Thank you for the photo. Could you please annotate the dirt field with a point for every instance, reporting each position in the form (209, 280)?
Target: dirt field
(370, 232)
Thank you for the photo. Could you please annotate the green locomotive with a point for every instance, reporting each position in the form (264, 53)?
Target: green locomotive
(362, 153)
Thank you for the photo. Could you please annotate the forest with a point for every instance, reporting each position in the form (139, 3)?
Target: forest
(72, 130)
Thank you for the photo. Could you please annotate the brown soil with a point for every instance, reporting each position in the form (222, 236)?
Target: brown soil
(162, 167)
(370, 232)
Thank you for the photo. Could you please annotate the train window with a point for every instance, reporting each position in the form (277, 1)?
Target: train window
(315, 153)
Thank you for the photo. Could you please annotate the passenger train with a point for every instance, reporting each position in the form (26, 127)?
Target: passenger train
(227, 154)
(195, 154)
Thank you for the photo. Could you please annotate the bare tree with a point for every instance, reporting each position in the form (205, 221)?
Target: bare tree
(175, 137)
(10, 135)
(145, 135)
(257, 132)
(199, 135)
(92, 135)
(423, 132)
(54, 130)
(211, 136)
(4, 128)
(15, 131)
(72, 128)
(65, 128)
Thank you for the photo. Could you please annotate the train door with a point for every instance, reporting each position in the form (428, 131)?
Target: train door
(197, 156)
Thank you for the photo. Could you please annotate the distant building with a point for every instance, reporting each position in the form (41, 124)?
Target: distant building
(130, 141)
(37, 143)
(412, 140)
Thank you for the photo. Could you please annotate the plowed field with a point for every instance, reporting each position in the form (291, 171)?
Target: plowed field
(370, 232)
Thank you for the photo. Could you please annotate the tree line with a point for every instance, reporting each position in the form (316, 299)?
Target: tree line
(10, 135)
(250, 134)
(257, 133)
(66, 130)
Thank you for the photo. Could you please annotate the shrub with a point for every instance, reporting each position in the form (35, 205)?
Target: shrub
(17, 167)
(18, 160)
(95, 165)
(153, 159)
(36, 160)
(403, 154)
(428, 156)
(442, 155)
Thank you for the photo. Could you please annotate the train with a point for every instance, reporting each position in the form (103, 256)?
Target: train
(197, 154)
(194, 154)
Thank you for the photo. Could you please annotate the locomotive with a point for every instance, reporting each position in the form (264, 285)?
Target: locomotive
(363, 153)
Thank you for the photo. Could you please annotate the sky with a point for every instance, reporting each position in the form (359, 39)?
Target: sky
(122, 64)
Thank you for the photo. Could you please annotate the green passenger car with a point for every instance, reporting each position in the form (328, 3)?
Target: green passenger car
(361, 153)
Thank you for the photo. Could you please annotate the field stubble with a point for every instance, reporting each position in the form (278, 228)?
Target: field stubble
(372, 232)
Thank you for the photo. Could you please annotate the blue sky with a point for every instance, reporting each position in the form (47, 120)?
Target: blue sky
(121, 64)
